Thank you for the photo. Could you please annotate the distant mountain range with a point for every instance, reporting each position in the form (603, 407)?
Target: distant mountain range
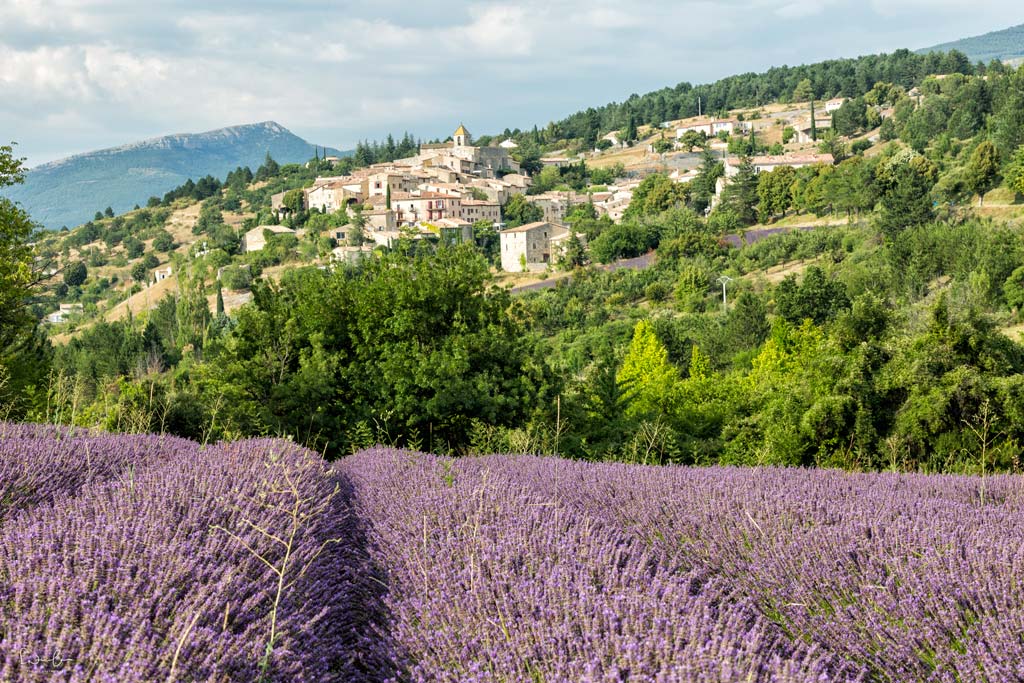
(70, 191)
(1007, 44)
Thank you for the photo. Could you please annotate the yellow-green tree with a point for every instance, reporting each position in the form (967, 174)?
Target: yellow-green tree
(647, 377)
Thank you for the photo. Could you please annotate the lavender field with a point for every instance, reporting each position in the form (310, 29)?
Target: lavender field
(149, 558)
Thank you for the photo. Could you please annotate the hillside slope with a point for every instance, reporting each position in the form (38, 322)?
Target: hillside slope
(69, 191)
(1002, 45)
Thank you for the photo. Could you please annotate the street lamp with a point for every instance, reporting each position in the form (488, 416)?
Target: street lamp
(724, 280)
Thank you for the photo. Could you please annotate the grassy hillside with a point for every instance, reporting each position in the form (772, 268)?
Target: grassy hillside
(70, 191)
(1002, 45)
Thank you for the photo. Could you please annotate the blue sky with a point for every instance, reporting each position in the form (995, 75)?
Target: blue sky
(78, 75)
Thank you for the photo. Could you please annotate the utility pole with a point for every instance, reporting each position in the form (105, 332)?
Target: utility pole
(724, 280)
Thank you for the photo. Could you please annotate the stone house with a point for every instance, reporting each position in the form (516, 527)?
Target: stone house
(352, 255)
(712, 127)
(474, 210)
(834, 104)
(803, 129)
(62, 314)
(763, 164)
(528, 247)
(426, 206)
(557, 205)
(256, 239)
(331, 196)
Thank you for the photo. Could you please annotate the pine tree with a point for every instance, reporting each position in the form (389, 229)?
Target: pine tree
(631, 135)
(983, 170)
(740, 194)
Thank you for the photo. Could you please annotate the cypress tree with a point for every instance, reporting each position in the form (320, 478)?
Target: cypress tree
(814, 124)
(220, 299)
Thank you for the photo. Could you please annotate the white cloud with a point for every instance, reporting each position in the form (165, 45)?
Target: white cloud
(797, 10)
(612, 18)
(503, 30)
(107, 72)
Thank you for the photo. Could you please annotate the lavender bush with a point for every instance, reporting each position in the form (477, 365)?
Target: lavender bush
(40, 462)
(233, 562)
(520, 568)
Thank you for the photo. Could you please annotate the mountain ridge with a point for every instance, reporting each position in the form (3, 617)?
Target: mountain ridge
(69, 191)
(1004, 44)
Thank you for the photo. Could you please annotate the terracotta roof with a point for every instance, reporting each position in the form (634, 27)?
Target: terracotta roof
(785, 159)
(531, 226)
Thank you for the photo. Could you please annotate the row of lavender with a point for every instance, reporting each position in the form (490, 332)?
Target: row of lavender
(518, 568)
(144, 558)
(141, 558)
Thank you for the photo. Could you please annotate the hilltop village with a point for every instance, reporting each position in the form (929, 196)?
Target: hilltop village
(442, 192)
(535, 204)
(447, 188)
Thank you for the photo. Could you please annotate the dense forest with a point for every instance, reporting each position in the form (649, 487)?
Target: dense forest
(888, 343)
(840, 77)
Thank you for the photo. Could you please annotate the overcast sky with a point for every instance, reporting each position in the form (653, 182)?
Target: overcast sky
(78, 75)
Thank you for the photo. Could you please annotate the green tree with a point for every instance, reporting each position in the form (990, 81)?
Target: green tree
(269, 169)
(75, 274)
(487, 240)
(420, 348)
(905, 180)
(655, 194)
(703, 186)
(294, 201)
(852, 186)
(804, 91)
(887, 131)
(983, 170)
(630, 134)
(851, 117)
(816, 298)
(1015, 171)
(692, 139)
(832, 144)
(16, 276)
(575, 253)
(139, 271)
(625, 240)
(773, 191)
(236, 278)
(747, 325)
(163, 241)
(134, 248)
(518, 210)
